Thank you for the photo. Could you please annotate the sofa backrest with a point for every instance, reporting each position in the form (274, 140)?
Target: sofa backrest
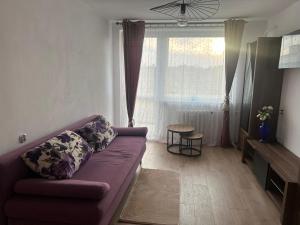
(12, 168)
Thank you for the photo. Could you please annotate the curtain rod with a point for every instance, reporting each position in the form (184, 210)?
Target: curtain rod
(175, 23)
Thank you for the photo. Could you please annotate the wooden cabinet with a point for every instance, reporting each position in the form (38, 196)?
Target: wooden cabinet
(276, 169)
(260, 169)
(262, 86)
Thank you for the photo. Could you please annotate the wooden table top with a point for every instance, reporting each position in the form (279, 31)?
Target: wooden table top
(284, 162)
(181, 128)
(194, 136)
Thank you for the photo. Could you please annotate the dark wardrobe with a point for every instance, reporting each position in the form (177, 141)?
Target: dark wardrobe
(262, 86)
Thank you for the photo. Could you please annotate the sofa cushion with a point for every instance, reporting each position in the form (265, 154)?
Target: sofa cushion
(131, 131)
(59, 157)
(98, 133)
(63, 188)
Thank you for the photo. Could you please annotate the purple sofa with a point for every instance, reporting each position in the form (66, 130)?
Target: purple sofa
(91, 197)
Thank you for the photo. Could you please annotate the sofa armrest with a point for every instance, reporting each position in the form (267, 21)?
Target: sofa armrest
(63, 188)
(131, 131)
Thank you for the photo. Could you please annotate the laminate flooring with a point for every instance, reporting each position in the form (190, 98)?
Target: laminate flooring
(216, 188)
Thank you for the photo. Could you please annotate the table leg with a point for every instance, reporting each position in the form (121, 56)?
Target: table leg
(200, 145)
(167, 138)
(180, 144)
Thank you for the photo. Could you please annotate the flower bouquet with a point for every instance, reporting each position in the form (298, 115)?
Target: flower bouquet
(264, 114)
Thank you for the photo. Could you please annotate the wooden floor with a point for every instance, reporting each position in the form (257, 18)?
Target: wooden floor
(216, 188)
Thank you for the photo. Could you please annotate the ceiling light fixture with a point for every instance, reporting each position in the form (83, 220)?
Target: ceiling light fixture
(185, 11)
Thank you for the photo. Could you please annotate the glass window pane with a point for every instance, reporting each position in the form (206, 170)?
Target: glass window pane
(195, 68)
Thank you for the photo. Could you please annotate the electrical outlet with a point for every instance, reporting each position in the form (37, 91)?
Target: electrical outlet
(22, 138)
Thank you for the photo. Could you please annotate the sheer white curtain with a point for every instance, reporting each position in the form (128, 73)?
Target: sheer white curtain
(181, 81)
(236, 96)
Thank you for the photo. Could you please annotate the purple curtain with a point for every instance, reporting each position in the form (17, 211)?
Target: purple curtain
(133, 47)
(233, 38)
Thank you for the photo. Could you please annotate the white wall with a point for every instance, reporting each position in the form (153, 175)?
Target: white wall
(115, 29)
(54, 67)
(289, 123)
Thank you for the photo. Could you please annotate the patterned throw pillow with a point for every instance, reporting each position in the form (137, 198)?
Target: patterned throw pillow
(98, 133)
(60, 157)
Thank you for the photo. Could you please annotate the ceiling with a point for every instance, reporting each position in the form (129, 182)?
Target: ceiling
(139, 9)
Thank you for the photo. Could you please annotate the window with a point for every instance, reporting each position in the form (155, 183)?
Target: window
(195, 66)
(183, 68)
(181, 80)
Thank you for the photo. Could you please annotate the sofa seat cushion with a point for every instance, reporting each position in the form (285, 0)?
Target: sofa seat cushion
(116, 167)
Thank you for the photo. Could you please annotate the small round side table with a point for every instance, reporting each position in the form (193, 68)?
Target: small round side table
(181, 129)
(189, 144)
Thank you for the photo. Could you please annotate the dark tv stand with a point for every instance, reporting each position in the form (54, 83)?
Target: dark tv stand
(276, 169)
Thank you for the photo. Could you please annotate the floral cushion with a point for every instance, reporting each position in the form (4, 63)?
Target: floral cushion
(98, 133)
(60, 157)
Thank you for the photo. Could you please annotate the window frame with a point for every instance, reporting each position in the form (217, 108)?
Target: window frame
(162, 36)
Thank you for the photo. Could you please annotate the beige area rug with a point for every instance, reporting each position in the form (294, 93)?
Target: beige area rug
(154, 199)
